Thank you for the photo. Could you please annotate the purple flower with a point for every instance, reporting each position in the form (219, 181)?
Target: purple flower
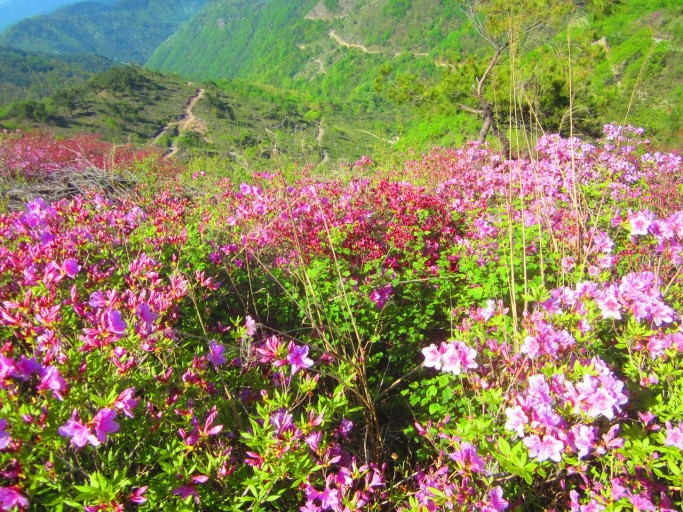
(298, 357)
(145, 313)
(26, 367)
(216, 351)
(641, 503)
(104, 423)
(344, 428)
(380, 296)
(114, 322)
(79, 433)
(198, 432)
(126, 403)
(12, 499)
(138, 495)
(468, 457)
(497, 500)
(309, 507)
(313, 440)
(185, 491)
(71, 267)
(97, 300)
(329, 498)
(5, 438)
(51, 379)
(283, 422)
(7, 367)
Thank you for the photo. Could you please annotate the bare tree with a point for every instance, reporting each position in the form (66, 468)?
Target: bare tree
(506, 24)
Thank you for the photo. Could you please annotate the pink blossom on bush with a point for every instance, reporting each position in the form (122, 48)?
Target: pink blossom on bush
(674, 435)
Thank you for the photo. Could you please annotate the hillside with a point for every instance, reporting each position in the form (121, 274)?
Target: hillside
(626, 64)
(230, 119)
(293, 44)
(30, 76)
(12, 11)
(125, 31)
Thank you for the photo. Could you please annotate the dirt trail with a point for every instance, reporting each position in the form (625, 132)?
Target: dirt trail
(341, 42)
(321, 133)
(188, 122)
(322, 66)
(319, 139)
(391, 141)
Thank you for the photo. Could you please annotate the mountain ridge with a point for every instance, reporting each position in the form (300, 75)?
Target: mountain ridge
(122, 30)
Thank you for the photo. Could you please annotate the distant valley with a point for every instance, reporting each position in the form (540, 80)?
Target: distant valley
(333, 79)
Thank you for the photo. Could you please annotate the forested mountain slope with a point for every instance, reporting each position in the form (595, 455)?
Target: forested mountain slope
(125, 31)
(625, 61)
(12, 11)
(30, 76)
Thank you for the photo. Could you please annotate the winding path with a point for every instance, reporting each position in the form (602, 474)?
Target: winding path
(341, 42)
(188, 121)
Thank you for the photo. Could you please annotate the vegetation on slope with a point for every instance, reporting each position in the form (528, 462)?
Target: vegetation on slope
(125, 31)
(234, 119)
(12, 11)
(458, 332)
(623, 60)
(31, 76)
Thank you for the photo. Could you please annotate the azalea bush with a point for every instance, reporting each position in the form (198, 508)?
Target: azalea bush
(463, 333)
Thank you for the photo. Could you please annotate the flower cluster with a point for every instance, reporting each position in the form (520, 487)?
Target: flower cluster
(279, 345)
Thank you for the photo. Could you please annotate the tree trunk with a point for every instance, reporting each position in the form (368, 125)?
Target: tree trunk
(490, 122)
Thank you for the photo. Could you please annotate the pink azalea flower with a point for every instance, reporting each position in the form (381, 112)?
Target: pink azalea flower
(12, 499)
(640, 222)
(7, 367)
(496, 497)
(456, 357)
(547, 448)
(530, 347)
(104, 423)
(468, 458)
(250, 326)
(609, 306)
(79, 432)
(583, 437)
(216, 351)
(71, 267)
(487, 312)
(126, 403)
(674, 435)
(517, 418)
(53, 380)
(114, 322)
(432, 357)
(138, 495)
(5, 438)
(298, 357)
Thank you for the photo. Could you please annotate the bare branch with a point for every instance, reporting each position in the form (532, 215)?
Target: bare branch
(471, 110)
